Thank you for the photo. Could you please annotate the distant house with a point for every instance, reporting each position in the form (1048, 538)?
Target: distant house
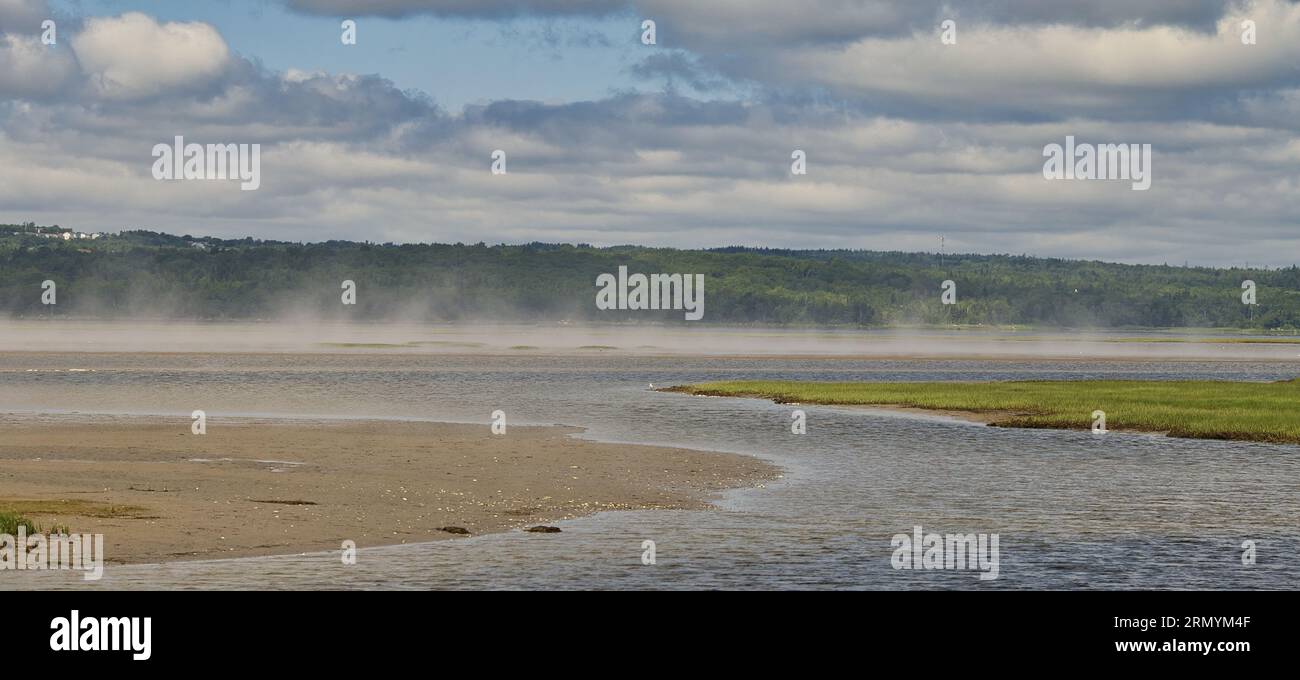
(72, 235)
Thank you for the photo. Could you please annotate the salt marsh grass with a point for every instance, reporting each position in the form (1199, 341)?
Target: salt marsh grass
(1203, 409)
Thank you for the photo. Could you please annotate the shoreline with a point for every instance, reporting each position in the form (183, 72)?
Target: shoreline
(988, 418)
(973, 417)
(984, 418)
(1243, 411)
(161, 494)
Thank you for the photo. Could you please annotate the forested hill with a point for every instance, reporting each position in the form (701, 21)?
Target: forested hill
(146, 273)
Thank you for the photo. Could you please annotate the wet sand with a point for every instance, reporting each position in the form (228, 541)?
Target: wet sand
(159, 493)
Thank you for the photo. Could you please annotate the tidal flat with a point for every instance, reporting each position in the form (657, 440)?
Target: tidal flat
(252, 487)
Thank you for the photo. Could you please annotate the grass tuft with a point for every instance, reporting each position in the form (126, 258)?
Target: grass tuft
(10, 521)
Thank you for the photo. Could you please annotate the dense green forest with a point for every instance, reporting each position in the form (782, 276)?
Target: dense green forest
(147, 273)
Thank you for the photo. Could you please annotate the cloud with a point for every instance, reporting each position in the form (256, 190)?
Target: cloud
(1044, 59)
(1057, 70)
(32, 70)
(134, 55)
(772, 24)
(23, 16)
(658, 169)
(678, 68)
(457, 8)
(906, 139)
(730, 23)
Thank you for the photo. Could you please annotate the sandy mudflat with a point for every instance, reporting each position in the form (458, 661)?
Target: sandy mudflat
(159, 493)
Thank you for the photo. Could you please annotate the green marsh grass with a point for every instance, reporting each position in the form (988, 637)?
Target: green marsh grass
(1202, 409)
(10, 521)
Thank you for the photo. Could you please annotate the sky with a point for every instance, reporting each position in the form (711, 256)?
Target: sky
(912, 133)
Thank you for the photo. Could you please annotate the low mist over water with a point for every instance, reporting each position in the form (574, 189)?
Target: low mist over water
(311, 337)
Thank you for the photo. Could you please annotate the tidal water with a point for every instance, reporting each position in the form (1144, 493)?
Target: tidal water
(1072, 510)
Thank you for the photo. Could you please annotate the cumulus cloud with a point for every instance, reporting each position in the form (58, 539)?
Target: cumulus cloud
(134, 55)
(1049, 70)
(1042, 58)
(670, 170)
(906, 139)
(32, 70)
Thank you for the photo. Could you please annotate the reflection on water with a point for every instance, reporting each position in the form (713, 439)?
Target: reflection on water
(1073, 510)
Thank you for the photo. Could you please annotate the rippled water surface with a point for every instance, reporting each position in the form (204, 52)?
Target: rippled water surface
(1072, 509)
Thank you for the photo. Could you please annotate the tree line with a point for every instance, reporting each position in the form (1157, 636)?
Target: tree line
(148, 273)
